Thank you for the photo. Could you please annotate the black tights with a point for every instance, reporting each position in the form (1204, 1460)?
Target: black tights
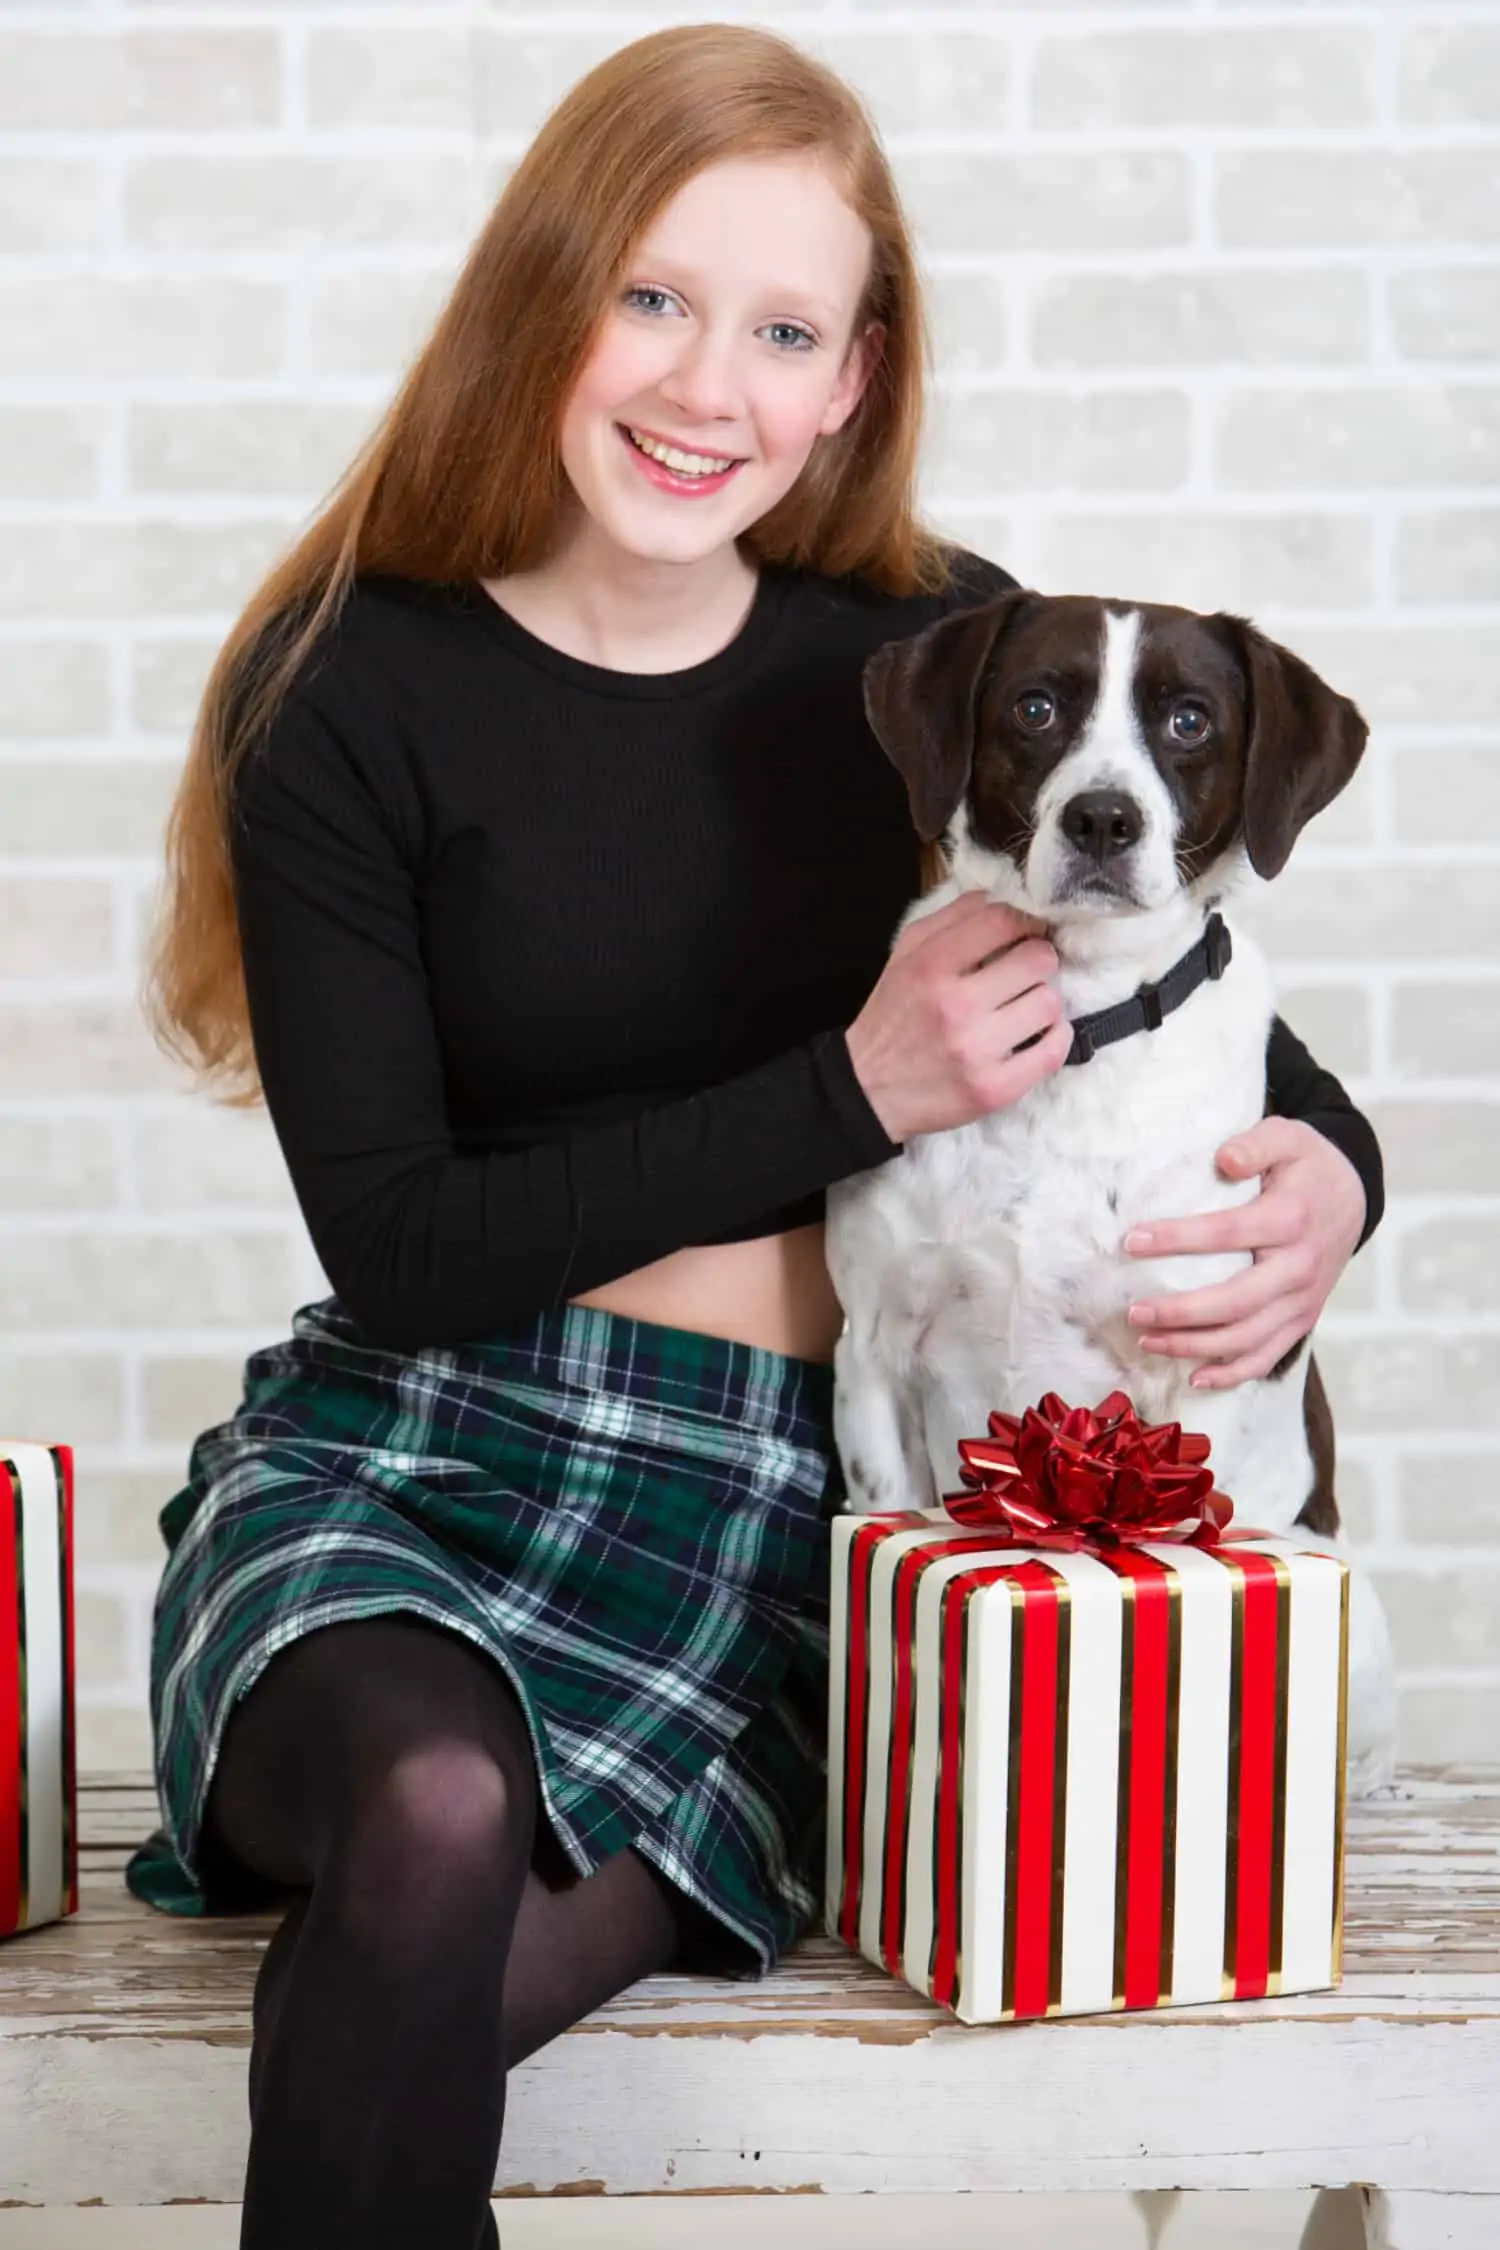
(382, 1768)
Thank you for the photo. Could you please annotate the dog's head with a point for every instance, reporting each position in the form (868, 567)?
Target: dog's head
(1113, 755)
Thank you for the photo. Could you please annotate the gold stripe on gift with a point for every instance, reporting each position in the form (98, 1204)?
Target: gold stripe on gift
(911, 1767)
(69, 1777)
(1064, 1596)
(1169, 1789)
(1278, 1783)
(1338, 1801)
(959, 1784)
(1013, 1792)
(23, 1775)
(1232, 1802)
(861, 1868)
(1122, 1786)
(937, 1833)
(965, 1621)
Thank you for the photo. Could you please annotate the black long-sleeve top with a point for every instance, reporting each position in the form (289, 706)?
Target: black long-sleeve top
(550, 966)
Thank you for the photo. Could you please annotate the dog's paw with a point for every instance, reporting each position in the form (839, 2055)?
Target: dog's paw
(869, 1493)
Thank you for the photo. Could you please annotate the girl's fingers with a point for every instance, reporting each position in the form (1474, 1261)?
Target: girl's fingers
(1238, 1344)
(1221, 1306)
(1223, 1376)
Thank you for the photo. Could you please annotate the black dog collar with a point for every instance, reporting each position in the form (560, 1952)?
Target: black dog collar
(1145, 1008)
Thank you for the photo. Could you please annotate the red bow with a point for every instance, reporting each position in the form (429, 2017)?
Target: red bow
(1074, 1476)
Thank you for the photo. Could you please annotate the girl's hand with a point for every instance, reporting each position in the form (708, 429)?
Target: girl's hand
(1302, 1228)
(964, 1018)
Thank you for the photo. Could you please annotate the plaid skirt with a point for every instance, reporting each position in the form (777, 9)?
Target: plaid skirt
(631, 1519)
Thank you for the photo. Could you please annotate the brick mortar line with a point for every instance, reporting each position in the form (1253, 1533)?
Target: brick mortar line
(1064, 262)
(213, 1339)
(1222, 382)
(140, 1345)
(1151, 15)
(155, 745)
(112, 150)
(1413, 1209)
(1449, 1676)
(1346, 503)
(278, 1219)
(105, 1455)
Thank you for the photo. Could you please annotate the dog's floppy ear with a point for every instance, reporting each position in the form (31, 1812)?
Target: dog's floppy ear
(921, 698)
(1304, 742)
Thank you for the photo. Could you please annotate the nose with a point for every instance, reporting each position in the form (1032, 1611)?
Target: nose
(703, 384)
(1102, 823)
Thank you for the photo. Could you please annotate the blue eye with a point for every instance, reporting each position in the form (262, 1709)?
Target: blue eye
(803, 338)
(644, 290)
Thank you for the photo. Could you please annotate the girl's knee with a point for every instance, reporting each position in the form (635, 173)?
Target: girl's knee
(443, 1832)
(362, 1711)
(454, 1802)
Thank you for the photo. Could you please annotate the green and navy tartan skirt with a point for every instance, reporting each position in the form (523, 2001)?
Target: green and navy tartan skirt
(631, 1519)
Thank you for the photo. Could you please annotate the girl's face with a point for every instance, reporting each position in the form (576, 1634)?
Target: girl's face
(728, 339)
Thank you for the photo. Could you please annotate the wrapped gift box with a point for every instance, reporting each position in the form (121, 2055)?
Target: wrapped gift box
(38, 1785)
(1063, 1782)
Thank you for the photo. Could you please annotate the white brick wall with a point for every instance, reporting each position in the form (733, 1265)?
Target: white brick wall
(1217, 291)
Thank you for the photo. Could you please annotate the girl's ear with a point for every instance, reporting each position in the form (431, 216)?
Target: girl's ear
(860, 362)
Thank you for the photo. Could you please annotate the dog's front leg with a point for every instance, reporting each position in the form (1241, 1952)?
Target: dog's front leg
(877, 1420)
(878, 1430)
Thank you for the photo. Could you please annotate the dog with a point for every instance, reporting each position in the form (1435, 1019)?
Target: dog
(1113, 769)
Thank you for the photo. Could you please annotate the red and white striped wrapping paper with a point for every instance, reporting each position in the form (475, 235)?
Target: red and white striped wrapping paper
(1064, 1783)
(38, 1783)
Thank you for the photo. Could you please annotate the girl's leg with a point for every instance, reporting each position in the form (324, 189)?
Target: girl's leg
(574, 1948)
(582, 1939)
(386, 1765)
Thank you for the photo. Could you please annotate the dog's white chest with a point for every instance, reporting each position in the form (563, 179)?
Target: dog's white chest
(985, 1265)
(1032, 1206)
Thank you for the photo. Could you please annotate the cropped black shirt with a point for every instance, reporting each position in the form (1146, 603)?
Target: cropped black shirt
(549, 965)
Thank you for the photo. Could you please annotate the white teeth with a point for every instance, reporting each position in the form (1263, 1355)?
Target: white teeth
(685, 464)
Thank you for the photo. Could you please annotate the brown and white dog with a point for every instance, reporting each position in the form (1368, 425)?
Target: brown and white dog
(1112, 769)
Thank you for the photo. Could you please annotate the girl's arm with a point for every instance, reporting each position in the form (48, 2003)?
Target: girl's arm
(1321, 1196)
(1297, 1087)
(424, 1241)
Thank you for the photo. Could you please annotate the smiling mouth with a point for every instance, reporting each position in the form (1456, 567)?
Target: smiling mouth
(690, 464)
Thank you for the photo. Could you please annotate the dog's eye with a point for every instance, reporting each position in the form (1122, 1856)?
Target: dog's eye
(1035, 710)
(1190, 723)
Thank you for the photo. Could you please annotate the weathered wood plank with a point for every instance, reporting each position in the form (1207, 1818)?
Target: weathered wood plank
(1035, 2107)
(1422, 1937)
(123, 2035)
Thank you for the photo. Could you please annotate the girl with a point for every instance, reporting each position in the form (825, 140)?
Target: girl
(535, 857)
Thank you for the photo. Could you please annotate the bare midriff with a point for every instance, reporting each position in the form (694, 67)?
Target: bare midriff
(773, 1290)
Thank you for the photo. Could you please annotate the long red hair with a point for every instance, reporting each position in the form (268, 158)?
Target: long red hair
(462, 478)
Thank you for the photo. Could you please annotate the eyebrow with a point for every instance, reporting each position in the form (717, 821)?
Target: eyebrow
(807, 299)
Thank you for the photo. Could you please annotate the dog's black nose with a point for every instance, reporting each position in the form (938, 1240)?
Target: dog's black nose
(1101, 823)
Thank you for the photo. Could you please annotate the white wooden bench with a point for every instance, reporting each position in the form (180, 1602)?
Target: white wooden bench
(124, 2037)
